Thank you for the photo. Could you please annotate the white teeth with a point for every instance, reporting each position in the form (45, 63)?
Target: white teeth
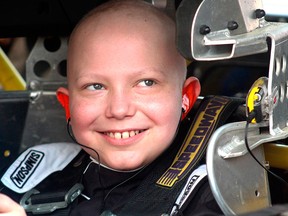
(117, 135)
(132, 133)
(124, 135)
(111, 134)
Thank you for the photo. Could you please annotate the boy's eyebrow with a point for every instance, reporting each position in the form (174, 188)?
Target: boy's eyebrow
(151, 69)
(136, 72)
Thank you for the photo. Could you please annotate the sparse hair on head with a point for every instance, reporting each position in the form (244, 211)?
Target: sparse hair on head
(138, 13)
(130, 8)
(116, 5)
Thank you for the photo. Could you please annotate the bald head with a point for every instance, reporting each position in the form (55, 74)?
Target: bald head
(133, 19)
(136, 11)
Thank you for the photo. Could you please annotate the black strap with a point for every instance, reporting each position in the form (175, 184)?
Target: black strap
(152, 199)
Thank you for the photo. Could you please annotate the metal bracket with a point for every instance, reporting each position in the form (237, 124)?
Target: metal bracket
(239, 184)
(278, 81)
(235, 144)
(46, 64)
(219, 32)
(239, 29)
(44, 208)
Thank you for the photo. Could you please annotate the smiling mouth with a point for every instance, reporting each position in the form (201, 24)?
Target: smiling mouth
(123, 135)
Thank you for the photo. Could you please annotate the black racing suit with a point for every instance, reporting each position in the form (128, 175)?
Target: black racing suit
(117, 187)
(107, 190)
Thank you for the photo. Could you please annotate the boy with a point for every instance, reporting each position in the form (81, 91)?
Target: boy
(127, 92)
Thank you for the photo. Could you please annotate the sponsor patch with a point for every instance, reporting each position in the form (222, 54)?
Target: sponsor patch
(26, 168)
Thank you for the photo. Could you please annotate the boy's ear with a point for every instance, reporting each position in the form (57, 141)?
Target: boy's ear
(63, 98)
(190, 94)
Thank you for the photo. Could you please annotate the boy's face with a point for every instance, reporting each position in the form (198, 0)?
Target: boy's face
(125, 95)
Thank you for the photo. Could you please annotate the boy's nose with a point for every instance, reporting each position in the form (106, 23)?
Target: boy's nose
(120, 105)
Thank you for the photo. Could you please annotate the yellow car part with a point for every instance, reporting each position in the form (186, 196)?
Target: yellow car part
(276, 155)
(10, 79)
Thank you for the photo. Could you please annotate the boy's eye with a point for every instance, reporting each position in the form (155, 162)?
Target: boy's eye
(94, 87)
(147, 83)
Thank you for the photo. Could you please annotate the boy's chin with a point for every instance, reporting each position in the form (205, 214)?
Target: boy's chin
(125, 165)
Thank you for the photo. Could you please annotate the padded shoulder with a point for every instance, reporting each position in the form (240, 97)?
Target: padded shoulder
(36, 163)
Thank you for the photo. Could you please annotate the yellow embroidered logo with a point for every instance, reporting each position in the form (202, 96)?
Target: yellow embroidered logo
(195, 142)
